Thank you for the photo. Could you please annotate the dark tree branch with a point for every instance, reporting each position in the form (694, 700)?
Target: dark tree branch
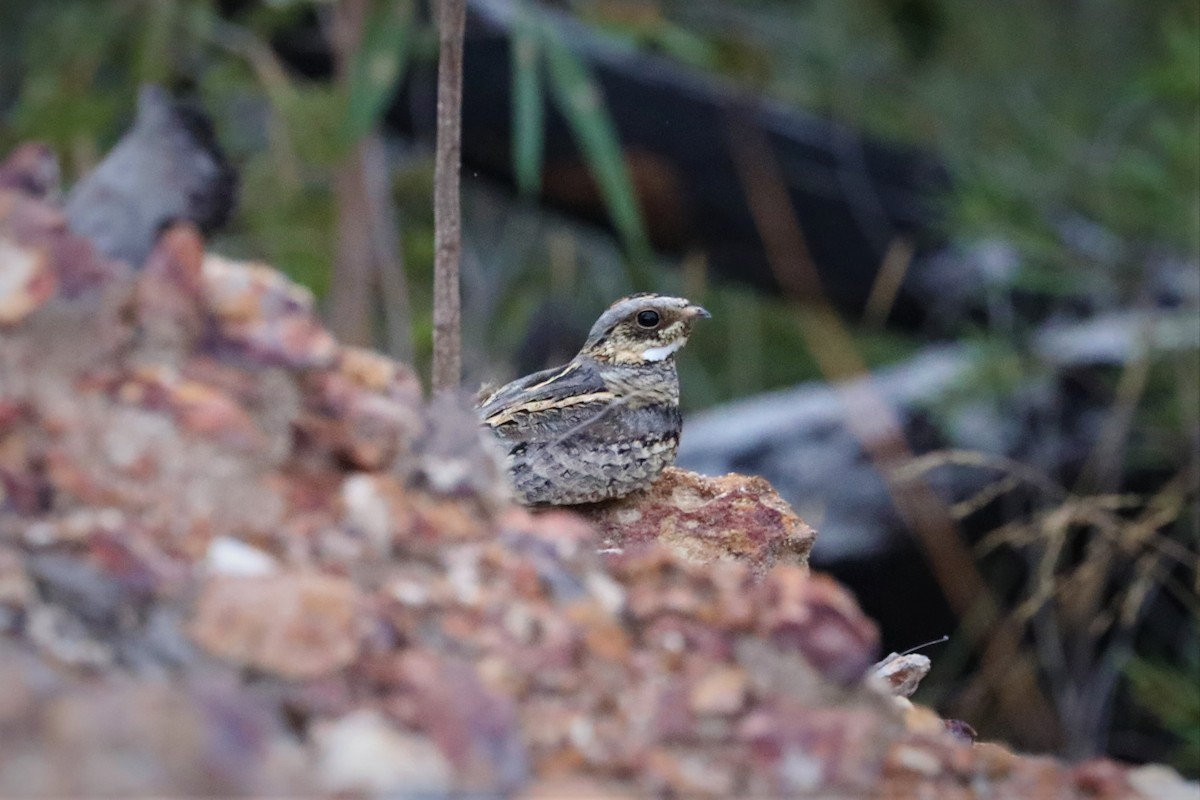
(447, 333)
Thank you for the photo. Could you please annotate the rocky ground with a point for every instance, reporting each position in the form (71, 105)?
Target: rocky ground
(237, 557)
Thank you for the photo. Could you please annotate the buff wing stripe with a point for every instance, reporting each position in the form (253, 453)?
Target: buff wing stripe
(574, 365)
(509, 413)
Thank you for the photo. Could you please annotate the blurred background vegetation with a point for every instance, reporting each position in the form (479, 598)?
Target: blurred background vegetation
(1070, 132)
(1041, 113)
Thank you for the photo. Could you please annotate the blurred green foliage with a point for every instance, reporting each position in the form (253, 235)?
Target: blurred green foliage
(1171, 692)
(538, 48)
(377, 65)
(1042, 111)
(1038, 127)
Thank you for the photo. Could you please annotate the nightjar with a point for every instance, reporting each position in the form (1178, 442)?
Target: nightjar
(606, 423)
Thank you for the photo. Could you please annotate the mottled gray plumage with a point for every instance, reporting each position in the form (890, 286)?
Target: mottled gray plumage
(608, 422)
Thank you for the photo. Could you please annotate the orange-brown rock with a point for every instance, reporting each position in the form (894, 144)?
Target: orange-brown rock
(298, 625)
(707, 519)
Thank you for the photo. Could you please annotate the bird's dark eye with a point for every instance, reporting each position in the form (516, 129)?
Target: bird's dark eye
(648, 319)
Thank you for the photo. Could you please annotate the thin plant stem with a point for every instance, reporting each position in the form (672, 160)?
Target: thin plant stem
(447, 209)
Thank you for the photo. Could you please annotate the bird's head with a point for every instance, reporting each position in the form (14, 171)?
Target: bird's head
(642, 328)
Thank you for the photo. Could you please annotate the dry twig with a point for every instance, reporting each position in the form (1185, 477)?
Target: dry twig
(447, 328)
(1095, 564)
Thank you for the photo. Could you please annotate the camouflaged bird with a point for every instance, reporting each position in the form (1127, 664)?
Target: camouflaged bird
(608, 422)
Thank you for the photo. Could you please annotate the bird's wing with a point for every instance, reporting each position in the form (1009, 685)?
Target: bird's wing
(571, 391)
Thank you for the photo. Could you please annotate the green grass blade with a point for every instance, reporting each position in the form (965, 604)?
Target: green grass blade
(528, 112)
(581, 102)
(378, 65)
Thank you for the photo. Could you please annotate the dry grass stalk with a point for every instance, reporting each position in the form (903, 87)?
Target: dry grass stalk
(1095, 562)
(447, 210)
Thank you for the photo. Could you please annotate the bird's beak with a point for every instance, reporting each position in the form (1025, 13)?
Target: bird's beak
(699, 312)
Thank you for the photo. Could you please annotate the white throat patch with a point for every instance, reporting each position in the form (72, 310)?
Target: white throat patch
(660, 353)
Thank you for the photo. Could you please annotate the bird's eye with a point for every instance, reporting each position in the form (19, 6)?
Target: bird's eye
(648, 319)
